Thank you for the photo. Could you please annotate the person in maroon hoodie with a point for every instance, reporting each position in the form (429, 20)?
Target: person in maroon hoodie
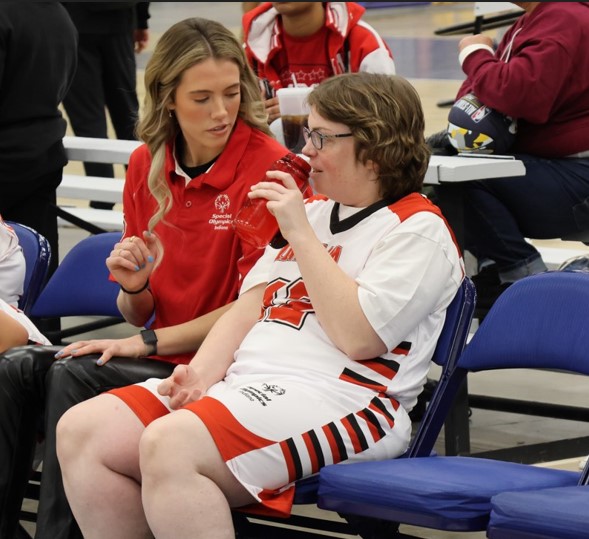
(539, 75)
(303, 43)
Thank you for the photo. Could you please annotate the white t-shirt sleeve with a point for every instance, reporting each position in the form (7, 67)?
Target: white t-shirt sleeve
(414, 271)
(34, 334)
(260, 271)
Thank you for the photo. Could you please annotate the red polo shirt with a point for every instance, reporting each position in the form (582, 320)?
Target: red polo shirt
(203, 261)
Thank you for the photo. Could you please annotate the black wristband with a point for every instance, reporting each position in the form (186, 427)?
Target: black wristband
(150, 340)
(146, 285)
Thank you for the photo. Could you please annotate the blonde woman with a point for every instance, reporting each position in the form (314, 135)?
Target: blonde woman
(179, 262)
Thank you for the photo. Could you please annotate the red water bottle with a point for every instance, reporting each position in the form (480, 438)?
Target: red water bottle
(254, 223)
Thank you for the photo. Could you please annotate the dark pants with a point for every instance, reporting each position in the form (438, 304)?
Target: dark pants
(550, 201)
(32, 381)
(106, 78)
(32, 203)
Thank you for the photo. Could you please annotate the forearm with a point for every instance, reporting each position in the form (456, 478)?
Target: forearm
(334, 296)
(189, 336)
(136, 308)
(217, 351)
(12, 333)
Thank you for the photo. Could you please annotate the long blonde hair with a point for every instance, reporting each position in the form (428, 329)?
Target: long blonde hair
(182, 46)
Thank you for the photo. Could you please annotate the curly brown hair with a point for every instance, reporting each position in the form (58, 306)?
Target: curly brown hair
(384, 114)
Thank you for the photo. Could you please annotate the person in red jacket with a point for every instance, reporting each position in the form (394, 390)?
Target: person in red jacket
(539, 75)
(303, 43)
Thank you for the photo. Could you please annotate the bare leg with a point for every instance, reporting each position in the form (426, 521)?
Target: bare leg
(187, 487)
(98, 450)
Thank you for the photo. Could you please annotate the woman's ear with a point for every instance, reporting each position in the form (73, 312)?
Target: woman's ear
(373, 167)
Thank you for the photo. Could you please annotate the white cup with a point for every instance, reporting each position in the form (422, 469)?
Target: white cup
(294, 112)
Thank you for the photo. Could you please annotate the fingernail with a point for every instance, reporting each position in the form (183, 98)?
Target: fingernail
(148, 232)
(150, 258)
(73, 352)
(99, 362)
(59, 354)
(136, 268)
(142, 266)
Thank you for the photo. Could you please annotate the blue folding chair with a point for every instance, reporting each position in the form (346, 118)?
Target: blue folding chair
(560, 513)
(539, 322)
(80, 287)
(449, 346)
(37, 253)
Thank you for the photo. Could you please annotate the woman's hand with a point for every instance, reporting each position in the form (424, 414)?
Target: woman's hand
(285, 202)
(477, 39)
(272, 108)
(182, 387)
(132, 260)
(129, 347)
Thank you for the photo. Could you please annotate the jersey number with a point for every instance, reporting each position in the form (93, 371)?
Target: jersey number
(287, 304)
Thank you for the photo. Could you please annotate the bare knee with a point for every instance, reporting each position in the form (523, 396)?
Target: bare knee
(157, 454)
(73, 433)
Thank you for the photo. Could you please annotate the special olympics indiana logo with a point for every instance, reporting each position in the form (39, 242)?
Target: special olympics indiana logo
(273, 388)
(222, 203)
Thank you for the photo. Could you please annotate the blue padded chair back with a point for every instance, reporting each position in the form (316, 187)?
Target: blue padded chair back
(448, 349)
(519, 332)
(458, 319)
(37, 253)
(539, 322)
(80, 286)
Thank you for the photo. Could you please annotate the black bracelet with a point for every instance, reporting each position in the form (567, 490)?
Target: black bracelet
(132, 293)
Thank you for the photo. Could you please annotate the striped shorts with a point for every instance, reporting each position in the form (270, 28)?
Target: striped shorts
(272, 431)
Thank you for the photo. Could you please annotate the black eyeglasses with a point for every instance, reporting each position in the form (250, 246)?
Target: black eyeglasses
(318, 138)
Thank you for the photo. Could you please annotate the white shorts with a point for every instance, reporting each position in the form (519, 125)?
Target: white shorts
(271, 432)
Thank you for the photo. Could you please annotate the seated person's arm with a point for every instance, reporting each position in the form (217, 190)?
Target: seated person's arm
(12, 332)
(136, 308)
(179, 339)
(189, 382)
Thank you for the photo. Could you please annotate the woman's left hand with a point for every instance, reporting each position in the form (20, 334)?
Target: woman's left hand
(285, 202)
(182, 387)
(109, 348)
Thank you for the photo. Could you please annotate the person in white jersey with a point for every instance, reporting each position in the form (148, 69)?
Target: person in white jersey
(15, 327)
(320, 359)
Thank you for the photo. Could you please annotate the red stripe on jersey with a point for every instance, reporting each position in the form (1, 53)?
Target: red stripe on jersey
(146, 406)
(352, 434)
(393, 402)
(376, 435)
(231, 437)
(364, 383)
(274, 504)
(389, 419)
(335, 454)
(414, 203)
(289, 461)
(382, 367)
(312, 453)
(402, 349)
